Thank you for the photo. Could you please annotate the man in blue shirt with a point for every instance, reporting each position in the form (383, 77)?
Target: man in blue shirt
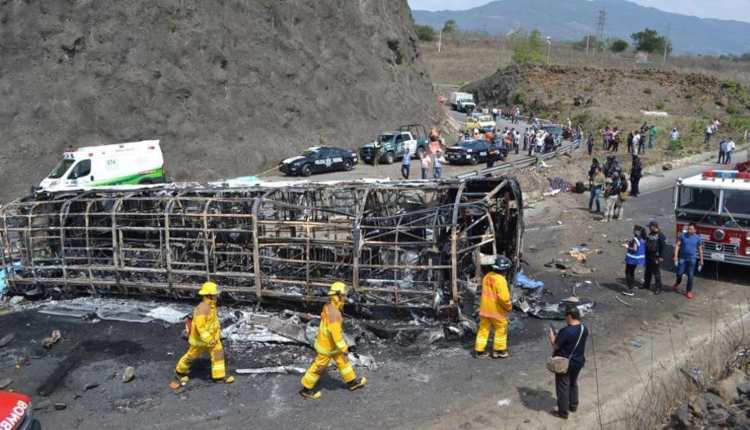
(688, 251)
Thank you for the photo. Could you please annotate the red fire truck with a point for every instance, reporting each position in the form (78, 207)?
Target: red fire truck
(718, 202)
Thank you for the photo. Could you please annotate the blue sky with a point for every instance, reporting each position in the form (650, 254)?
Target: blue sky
(723, 9)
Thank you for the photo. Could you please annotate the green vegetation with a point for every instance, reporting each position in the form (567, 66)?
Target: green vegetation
(618, 45)
(425, 33)
(649, 41)
(529, 50)
(450, 26)
(675, 145)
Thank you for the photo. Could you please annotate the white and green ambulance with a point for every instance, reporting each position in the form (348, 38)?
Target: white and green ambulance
(100, 166)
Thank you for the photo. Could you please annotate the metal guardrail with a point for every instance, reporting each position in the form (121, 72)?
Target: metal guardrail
(522, 163)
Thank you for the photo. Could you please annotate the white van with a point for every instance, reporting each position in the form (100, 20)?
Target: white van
(96, 166)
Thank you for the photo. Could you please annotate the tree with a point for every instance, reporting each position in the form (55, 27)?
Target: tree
(529, 50)
(618, 45)
(450, 26)
(425, 33)
(649, 41)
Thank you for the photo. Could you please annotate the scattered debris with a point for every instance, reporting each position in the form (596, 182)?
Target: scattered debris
(553, 311)
(286, 370)
(90, 386)
(41, 405)
(580, 269)
(580, 253)
(623, 301)
(55, 337)
(94, 309)
(128, 375)
(59, 406)
(5, 383)
(8, 338)
(504, 402)
(636, 344)
(16, 300)
(525, 282)
(362, 360)
(667, 166)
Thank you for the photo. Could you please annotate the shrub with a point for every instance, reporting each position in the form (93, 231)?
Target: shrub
(676, 145)
(425, 33)
(529, 50)
(733, 110)
(647, 91)
(659, 105)
(618, 45)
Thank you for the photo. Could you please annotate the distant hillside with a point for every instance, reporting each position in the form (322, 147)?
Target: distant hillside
(573, 19)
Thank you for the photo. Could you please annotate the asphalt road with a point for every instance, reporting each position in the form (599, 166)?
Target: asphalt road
(414, 386)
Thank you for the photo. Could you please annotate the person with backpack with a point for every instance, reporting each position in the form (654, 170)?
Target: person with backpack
(622, 196)
(611, 193)
(634, 257)
(655, 242)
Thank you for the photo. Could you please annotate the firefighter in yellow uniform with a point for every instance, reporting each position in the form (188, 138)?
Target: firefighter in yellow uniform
(331, 345)
(205, 337)
(493, 309)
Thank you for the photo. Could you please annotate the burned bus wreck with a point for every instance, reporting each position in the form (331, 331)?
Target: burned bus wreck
(398, 244)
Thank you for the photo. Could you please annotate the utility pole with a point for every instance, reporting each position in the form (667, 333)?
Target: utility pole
(549, 49)
(666, 43)
(440, 40)
(588, 41)
(601, 22)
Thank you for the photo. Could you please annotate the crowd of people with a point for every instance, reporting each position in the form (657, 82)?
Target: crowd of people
(609, 183)
(637, 141)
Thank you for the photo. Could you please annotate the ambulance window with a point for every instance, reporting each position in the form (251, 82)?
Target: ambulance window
(83, 168)
(61, 168)
(737, 202)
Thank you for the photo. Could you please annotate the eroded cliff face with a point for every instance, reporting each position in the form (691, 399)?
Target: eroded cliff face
(230, 87)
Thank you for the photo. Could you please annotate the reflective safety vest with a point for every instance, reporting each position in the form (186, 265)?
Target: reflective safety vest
(637, 257)
(330, 340)
(495, 302)
(206, 329)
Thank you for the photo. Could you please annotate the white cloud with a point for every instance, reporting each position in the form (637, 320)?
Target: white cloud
(722, 9)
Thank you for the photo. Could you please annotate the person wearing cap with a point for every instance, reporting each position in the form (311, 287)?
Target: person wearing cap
(655, 242)
(331, 345)
(493, 308)
(205, 337)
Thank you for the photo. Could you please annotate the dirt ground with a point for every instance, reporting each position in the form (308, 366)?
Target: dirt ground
(414, 385)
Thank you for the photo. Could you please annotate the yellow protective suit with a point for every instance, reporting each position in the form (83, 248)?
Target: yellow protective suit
(494, 305)
(330, 345)
(204, 338)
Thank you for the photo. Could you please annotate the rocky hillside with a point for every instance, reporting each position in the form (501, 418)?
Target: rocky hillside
(559, 89)
(230, 87)
(599, 97)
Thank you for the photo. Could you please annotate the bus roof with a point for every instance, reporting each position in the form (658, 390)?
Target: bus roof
(718, 180)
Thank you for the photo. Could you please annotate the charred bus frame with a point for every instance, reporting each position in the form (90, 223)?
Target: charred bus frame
(398, 244)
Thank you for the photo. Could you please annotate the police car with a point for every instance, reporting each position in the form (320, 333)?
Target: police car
(319, 159)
